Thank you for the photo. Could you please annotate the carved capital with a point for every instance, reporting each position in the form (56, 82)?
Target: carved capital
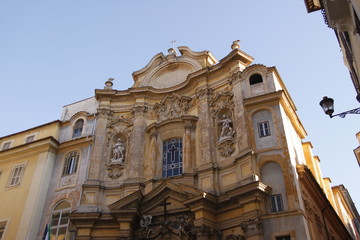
(153, 133)
(139, 110)
(204, 93)
(203, 231)
(104, 113)
(234, 77)
(251, 227)
(189, 126)
(234, 237)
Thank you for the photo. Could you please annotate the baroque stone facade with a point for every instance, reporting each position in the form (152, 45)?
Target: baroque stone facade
(196, 149)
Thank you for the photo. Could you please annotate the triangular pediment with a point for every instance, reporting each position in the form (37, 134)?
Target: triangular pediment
(173, 194)
(130, 202)
(166, 71)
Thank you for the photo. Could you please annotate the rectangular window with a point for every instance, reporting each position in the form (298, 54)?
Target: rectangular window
(264, 129)
(2, 229)
(6, 146)
(30, 139)
(71, 162)
(16, 175)
(283, 238)
(172, 158)
(276, 203)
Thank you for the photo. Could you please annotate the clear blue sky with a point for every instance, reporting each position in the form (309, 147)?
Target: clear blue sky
(54, 53)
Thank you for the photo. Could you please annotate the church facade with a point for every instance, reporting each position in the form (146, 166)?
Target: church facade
(201, 149)
(197, 148)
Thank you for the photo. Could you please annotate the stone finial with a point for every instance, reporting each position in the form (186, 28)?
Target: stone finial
(235, 45)
(172, 51)
(109, 83)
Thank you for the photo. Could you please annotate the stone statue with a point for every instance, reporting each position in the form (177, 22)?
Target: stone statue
(118, 152)
(226, 128)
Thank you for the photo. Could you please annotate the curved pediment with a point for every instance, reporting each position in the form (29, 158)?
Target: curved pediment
(166, 71)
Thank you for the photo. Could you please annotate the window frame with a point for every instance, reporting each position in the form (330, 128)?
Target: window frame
(77, 129)
(276, 203)
(283, 237)
(264, 129)
(31, 137)
(61, 212)
(19, 175)
(6, 145)
(178, 163)
(255, 79)
(3, 230)
(70, 165)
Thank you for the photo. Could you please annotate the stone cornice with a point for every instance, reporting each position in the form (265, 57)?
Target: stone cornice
(319, 198)
(32, 148)
(76, 142)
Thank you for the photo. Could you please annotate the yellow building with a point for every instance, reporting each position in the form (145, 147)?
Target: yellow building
(26, 162)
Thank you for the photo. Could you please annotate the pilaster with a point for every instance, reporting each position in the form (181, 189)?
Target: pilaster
(103, 115)
(205, 131)
(137, 143)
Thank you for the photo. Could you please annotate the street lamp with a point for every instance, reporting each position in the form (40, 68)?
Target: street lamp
(327, 105)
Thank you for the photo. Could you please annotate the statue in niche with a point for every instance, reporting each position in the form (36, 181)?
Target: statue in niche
(118, 152)
(226, 128)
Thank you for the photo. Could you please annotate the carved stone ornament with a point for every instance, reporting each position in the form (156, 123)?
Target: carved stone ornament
(172, 106)
(181, 226)
(205, 92)
(119, 125)
(226, 147)
(234, 77)
(251, 227)
(139, 110)
(221, 100)
(234, 237)
(115, 169)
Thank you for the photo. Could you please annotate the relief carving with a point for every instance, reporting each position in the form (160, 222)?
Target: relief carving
(119, 125)
(181, 226)
(221, 100)
(234, 77)
(139, 110)
(234, 237)
(172, 106)
(221, 107)
(251, 227)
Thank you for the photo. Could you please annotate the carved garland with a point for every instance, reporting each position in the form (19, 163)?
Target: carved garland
(172, 106)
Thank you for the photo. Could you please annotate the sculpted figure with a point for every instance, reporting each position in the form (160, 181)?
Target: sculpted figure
(118, 151)
(226, 128)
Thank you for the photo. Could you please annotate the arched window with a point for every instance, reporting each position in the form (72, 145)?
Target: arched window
(60, 220)
(71, 163)
(255, 78)
(78, 127)
(172, 158)
(271, 175)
